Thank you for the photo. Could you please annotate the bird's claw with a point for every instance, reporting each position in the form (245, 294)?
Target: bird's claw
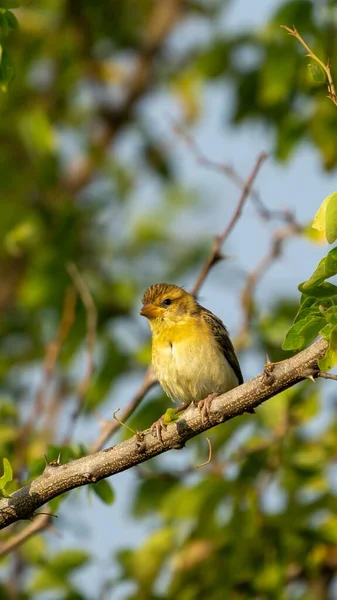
(157, 427)
(205, 405)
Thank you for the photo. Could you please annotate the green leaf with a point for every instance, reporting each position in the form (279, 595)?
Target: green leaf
(330, 315)
(67, 561)
(317, 73)
(333, 338)
(327, 267)
(6, 71)
(331, 218)
(46, 580)
(104, 491)
(324, 290)
(170, 416)
(329, 360)
(326, 218)
(303, 332)
(12, 21)
(8, 474)
(307, 312)
(326, 331)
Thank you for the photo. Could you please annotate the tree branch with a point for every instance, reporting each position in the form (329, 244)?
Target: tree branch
(57, 479)
(215, 255)
(41, 522)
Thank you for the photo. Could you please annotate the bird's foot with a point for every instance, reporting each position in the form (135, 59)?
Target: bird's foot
(157, 428)
(165, 420)
(205, 405)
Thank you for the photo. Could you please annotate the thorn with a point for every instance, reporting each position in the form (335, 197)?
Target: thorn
(268, 371)
(309, 374)
(140, 441)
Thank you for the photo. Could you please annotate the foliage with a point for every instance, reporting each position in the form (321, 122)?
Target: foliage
(318, 311)
(86, 179)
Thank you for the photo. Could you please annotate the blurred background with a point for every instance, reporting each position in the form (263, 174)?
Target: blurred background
(127, 132)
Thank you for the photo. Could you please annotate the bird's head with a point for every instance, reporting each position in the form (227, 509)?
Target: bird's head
(167, 303)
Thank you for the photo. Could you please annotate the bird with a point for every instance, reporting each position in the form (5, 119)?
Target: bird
(193, 357)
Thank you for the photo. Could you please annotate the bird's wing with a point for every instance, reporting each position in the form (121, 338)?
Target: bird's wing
(223, 340)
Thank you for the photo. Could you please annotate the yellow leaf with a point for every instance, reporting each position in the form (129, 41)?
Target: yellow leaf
(314, 235)
(320, 222)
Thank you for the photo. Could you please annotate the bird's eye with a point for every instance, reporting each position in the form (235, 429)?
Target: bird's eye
(167, 302)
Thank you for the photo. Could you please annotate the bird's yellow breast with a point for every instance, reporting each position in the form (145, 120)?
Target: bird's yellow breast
(188, 362)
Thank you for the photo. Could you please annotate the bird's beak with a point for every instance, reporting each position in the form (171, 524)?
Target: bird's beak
(150, 311)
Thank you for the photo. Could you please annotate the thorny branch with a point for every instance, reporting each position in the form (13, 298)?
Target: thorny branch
(58, 479)
(325, 67)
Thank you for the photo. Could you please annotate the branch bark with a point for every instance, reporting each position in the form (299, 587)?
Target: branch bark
(57, 479)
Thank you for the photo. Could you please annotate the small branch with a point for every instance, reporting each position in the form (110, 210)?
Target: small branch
(111, 426)
(90, 308)
(215, 254)
(58, 479)
(53, 350)
(326, 67)
(229, 172)
(327, 375)
(41, 522)
(248, 292)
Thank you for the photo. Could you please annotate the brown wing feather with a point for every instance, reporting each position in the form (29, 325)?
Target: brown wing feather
(223, 340)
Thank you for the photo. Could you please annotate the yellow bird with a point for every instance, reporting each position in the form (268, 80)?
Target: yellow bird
(192, 354)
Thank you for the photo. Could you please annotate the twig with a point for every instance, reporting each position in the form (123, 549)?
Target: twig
(58, 479)
(326, 67)
(327, 375)
(53, 350)
(91, 325)
(41, 522)
(248, 292)
(229, 171)
(111, 426)
(215, 254)
(52, 353)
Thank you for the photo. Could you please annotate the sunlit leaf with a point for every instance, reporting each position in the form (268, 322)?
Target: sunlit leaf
(303, 332)
(329, 360)
(8, 473)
